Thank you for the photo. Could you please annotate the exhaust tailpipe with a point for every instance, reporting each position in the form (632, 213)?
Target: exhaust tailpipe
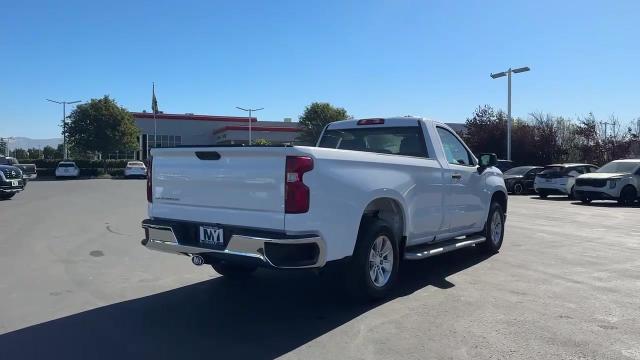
(197, 260)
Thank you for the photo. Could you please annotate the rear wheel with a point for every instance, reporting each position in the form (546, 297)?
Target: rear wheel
(518, 188)
(572, 193)
(493, 230)
(373, 269)
(233, 271)
(628, 195)
(542, 194)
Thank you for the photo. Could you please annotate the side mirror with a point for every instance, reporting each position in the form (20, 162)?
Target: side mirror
(487, 160)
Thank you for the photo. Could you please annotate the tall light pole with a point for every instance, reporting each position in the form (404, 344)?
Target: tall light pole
(249, 110)
(64, 123)
(508, 74)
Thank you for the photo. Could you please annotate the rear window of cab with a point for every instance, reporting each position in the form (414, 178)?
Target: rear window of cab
(405, 140)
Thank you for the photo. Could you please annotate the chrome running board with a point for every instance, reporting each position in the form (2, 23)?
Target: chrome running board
(424, 251)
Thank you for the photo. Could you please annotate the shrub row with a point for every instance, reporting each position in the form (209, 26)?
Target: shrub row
(82, 164)
(83, 172)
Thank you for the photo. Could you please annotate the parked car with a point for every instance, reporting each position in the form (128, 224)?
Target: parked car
(372, 192)
(29, 171)
(11, 181)
(135, 169)
(559, 179)
(519, 180)
(505, 165)
(618, 180)
(67, 169)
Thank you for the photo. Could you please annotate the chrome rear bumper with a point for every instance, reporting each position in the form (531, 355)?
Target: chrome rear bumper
(162, 238)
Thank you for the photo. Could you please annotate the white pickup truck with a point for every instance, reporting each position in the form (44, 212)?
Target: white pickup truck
(371, 193)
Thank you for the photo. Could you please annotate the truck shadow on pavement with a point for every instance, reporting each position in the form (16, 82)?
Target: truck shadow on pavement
(260, 318)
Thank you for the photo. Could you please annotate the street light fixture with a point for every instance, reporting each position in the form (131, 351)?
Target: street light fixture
(64, 123)
(249, 110)
(508, 74)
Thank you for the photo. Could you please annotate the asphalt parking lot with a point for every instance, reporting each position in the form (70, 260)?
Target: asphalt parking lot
(76, 284)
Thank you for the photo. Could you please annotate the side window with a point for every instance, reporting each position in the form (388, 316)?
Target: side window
(574, 171)
(455, 152)
(592, 169)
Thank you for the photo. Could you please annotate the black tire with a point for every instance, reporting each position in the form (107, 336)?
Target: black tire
(628, 195)
(233, 271)
(492, 245)
(6, 196)
(518, 188)
(572, 193)
(585, 200)
(359, 280)
(542, 194)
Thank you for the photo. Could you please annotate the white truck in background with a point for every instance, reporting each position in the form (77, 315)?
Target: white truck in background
(371, 193)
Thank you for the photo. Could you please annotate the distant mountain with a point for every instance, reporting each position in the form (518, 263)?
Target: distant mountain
(26, 143)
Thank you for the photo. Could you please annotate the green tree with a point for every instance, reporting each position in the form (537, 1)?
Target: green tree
(315, 117)
(34, 153)
(486, 131)
(20, 153)
(101, 126)
(49, 152)
(262, 142)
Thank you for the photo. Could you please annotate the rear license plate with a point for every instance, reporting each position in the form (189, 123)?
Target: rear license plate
(14, 182)
(211, 235)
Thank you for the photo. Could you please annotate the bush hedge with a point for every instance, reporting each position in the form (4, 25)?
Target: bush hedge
(47, 167)
(83, 164)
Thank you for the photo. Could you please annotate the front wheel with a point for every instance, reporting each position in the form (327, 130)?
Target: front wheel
(518, 189)
(628, 195)
(542, 195)
(6, 196)
(493, 230)
(373, 269)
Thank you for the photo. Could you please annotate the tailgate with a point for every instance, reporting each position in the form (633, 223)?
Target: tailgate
(222, 185)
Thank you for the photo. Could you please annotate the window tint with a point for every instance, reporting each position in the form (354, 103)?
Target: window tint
(62, 165)
(533, 172)
(406, 140)
(552, 170)
(618, 167)
(455, 152)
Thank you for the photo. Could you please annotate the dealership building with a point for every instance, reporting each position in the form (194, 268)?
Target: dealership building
(192, 129)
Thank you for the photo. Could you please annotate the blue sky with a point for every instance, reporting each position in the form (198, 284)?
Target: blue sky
(375, 58)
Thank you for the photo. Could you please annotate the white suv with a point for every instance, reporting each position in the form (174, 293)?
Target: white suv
(135, 169)
(67, 169)
(618, 180)
(559, 179)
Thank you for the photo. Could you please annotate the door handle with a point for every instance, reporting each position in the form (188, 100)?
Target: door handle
(456, 176)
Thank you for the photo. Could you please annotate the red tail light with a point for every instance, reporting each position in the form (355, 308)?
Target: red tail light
(296, 197)
(150, 182)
